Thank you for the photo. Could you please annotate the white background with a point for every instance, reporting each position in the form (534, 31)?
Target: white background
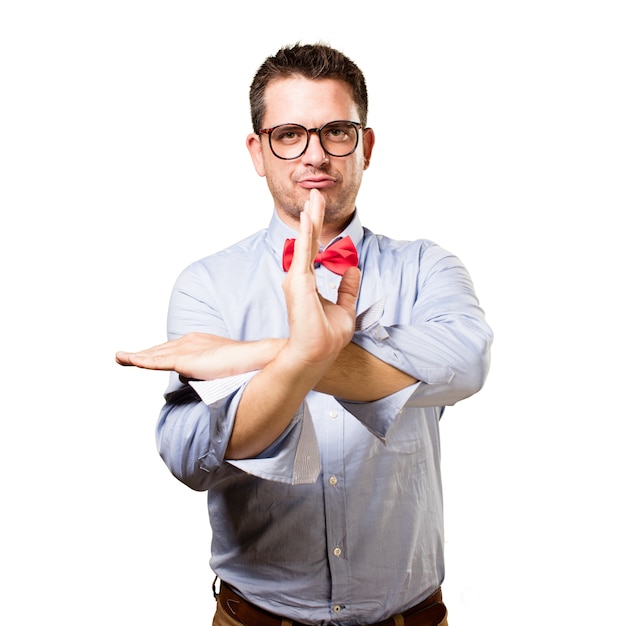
(500, 135)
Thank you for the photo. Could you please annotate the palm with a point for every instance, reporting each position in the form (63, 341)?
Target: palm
(319, 327)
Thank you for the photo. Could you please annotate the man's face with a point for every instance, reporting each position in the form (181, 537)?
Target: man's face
(311, 103)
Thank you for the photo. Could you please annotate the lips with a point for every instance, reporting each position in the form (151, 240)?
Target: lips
(316, 182)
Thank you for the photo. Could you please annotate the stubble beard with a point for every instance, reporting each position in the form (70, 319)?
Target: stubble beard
(339, 206)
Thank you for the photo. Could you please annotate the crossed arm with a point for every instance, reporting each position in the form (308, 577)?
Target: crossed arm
(317, 355)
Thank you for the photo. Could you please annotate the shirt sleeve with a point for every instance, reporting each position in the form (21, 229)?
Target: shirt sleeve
(443, 341)
(197, 419)
(189, 433)
(294, 458)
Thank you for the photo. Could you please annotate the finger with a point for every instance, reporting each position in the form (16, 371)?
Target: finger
(311, 223)
(162, 363)
(304, 251)
(348, 291)
(128, 358)
(153, 359)
(317, 206)
(123, 358)
(162, 349)
(133, 358)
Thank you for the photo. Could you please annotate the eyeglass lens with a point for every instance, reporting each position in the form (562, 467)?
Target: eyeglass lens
(289, 141)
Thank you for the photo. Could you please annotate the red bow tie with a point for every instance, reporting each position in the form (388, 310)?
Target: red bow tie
(338, 257)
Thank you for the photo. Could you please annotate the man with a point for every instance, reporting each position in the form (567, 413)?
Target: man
(306, 392)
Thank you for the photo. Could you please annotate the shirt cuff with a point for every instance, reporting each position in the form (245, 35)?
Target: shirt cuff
(294, 458)
(377, 416)
(211, 391)
(373, 337)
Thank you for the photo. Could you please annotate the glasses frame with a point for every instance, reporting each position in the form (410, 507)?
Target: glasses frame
(318, 131)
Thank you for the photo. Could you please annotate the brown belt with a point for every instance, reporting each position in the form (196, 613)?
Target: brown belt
(430, 612)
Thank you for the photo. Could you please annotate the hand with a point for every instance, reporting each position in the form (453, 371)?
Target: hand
(204, 356)
(319, 329)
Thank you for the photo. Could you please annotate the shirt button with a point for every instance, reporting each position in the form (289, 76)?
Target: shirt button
(336, 608)
(333, 414)
(380, 333)
(337, 551)
(333, 480)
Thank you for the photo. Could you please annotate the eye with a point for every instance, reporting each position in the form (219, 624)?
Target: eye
(339, 133)
(288, 134)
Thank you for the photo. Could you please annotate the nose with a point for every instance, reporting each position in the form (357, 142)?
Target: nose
(314, 154)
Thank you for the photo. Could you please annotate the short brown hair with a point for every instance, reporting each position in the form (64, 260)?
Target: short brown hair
(314, 61)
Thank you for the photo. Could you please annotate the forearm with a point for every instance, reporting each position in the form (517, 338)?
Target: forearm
(270, 400)
(354, 375)
(450, 359)
(358, 376)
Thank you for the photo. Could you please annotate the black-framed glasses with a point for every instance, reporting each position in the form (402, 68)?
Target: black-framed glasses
(290, 141)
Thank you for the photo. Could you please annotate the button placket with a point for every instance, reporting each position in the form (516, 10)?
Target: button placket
(334, 497)
(329, 421)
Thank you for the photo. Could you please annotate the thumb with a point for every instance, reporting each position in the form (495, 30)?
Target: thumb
(348, 291)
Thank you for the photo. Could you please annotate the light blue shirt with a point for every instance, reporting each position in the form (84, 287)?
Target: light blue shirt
(341, 520)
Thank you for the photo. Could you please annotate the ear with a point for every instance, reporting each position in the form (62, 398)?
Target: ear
(368, 146)
(253, 143)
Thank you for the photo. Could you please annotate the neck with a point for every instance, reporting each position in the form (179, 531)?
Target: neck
(331, 228)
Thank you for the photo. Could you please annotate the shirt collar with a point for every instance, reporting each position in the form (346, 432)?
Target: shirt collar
(278, 231)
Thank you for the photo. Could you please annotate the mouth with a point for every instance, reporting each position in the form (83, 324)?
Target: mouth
(316, 182)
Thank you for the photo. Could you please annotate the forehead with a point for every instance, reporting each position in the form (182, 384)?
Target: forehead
(308, 102)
